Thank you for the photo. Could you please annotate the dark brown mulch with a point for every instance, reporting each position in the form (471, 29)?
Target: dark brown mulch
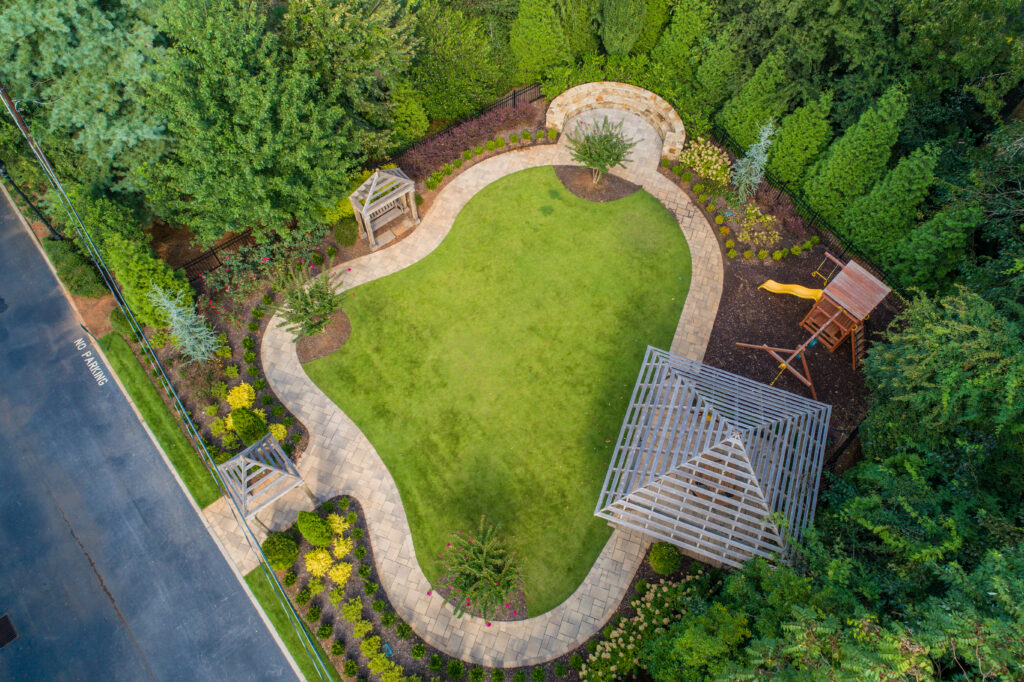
(332, 338)
(579, 181)
(749, 315)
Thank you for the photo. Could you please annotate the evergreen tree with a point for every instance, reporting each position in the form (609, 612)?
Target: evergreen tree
(656, 15)
(261, 139)
(879, 221)
(936, 248)
(454, 72)
(189, 331)
(677, 48)
(621, 24)
(409, 118)
(579, 24)
(138, 271)
(802, 137)
(759, 100)
(748, 172)
(855, 161)
(720, 69)
(81, 68)
(537, 41)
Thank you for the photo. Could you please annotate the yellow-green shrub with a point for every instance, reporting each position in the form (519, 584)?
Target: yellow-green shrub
(241, 395)
(337, 523)
(279, 432)
(340, 573)
(342, 546)
(318, 562)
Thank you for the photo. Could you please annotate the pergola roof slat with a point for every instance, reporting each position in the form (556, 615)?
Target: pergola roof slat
(259, 475)
(706, 459)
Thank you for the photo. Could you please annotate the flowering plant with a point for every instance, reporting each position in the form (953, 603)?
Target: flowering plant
(707, 160)
(600, 147)
(617, 657)
(758, 228)
(309, 302)
(482, 571)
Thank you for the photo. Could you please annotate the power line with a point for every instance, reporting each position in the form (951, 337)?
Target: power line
(190, 428)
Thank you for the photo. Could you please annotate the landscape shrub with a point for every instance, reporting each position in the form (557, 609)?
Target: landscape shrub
(641, 587)
(729, 243)
(258, 312)
(482, 570)
(290, 578)
(707, 160)
(447, 169)
(457, 163)
(719, 219)
(378, 605)
(253, 326)
(281, 551)
(499, 142)
(211, 410)
(600, 147)
(308, 301)
(419, 650)
(346, 231)
(785, 252)
(538, 674)
(314, 613)
(699, 187)
(352, 611)
(337, 595)
(351, 667)
(552, 134)
(364, 571)
(710, 207)
(758, 229)
(224, 351)
(342, 546)
(403, 630)
(351, 517)
(519, 676)
(436, 663)
(358, 533)
(468, 154)
(189, 331)
(361, 627)
(762, 254)
(138, 271)
(229, 441)
(340, 572)
(476, 674)
(77, 272)
(748, 254)
(513, 138)
(318, 562)
(278, 431)
(303, 596)
(776, 255)
(489, 145)
(560, 670)
(434, 180)
(370, 646)
(388, 619)
(314, 529)
(247, 424)
(419, 199)
(325, 631)
(422, 158)
(337, 523)
(370, 588)
(456, 669)
(259, 384)
(796, 250)
(338, 649)
(702, 198)
(249, 356)
(316, 586)
(526, 135)
(575, 662)
(665, 163)
(497, 675)
(252, 371)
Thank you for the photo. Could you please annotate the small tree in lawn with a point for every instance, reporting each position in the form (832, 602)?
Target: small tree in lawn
(600, 147)
(481, 570)
(749, 171)
(309, 301)
(189, 331)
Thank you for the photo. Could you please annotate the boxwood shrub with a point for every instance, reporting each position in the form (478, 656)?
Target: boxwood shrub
(281, 550)
(314, 529)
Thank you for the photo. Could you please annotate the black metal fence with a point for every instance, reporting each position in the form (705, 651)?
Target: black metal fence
(838, 245)
(210, 260)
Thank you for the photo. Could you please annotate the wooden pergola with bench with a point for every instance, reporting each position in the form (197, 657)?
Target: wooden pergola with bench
(386, 195)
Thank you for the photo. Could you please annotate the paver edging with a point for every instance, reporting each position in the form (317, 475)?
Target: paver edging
(340, 460)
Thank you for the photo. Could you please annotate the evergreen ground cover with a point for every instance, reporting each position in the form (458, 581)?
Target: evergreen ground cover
(493, 375)
(183, 456)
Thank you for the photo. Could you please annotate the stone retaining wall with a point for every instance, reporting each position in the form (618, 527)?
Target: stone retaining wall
(611, 95)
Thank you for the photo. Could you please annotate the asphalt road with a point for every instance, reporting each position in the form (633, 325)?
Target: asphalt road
(105, 569)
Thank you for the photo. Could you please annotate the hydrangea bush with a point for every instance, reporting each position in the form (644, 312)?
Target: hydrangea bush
(707, 160)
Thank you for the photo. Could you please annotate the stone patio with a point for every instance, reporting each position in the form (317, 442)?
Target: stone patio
(340, 460)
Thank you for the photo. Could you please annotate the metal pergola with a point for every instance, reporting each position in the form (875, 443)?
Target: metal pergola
(384, 196)
(719, 465)
(258, 475)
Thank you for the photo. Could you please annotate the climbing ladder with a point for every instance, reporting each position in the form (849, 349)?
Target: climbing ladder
(858, 344)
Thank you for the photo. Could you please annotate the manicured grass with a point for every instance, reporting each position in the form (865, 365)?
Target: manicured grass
(264, 593)
(163, 424)
(492, 377)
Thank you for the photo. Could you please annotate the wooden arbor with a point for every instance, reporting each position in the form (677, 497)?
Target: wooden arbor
(258, 475)
(720, 465)
(385, 195)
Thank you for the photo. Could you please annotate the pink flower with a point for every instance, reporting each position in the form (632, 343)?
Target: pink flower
(448, 545)
(508, 606)
(429, 592)
(515, 613)
(488, 623)
(467, 600)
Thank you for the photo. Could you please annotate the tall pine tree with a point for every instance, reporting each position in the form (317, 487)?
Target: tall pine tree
(855, 161)
(261, 140)
(678, 47)
(537, 41)
(934, 249)
(878, 222)
(579, 24)
(656, 16)
(802, 137)
(621, 24)
(719, 72)
(759, 100)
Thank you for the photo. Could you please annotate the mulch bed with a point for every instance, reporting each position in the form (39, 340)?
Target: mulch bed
(580, 182)
(333, 337)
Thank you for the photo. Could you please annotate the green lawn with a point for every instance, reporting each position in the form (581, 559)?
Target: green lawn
(163, 424)
(264, 593)
(493, 376)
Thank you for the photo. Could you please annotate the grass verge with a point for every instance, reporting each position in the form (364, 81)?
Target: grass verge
(165, 427)
(264, 593)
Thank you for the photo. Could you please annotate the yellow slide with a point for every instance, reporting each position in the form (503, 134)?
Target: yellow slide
(791, 289)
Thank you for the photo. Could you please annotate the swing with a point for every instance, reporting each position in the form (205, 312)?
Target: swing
(817, 272)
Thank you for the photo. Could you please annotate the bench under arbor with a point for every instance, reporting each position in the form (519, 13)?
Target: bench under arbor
(386, 195)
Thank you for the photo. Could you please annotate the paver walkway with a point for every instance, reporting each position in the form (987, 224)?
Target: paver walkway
(340, 460)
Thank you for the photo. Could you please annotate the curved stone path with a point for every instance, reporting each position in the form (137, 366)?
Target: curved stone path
(340, 460)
